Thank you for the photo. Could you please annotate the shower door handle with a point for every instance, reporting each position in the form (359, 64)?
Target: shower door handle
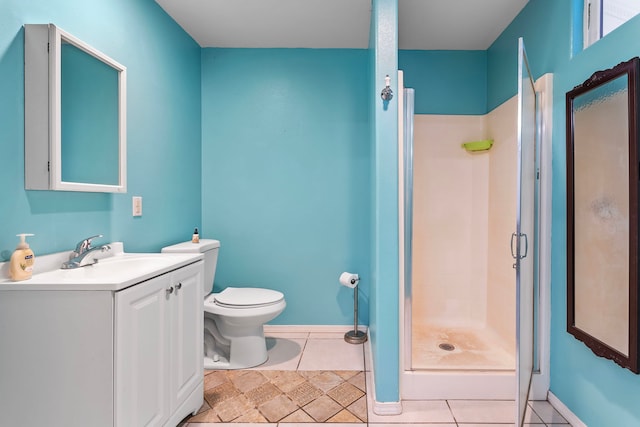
(514, 255)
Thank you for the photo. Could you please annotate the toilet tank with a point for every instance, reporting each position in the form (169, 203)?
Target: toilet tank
(209, 248)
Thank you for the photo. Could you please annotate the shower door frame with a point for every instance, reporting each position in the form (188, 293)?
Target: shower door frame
(527, 178)
(426, 384)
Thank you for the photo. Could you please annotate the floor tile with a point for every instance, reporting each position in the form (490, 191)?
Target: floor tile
(230, 425)
(289, 335)
(331, 354)
(500, 425)
(285, 380)
(546, 412)
(262, 394)
(413, 425)
(319, 425)
(298, 416)
(324, 380)
(284, 354)
(213, 379)
(343, 416)
(233, 408)
(277, 408)
(207, 417)
(304, 393)
(359, 408)
(358, 381)
(249, 380)
(413, 411)
(345, 394)
(251, 416)
(322, 409)
(250, 396)
(220, 393)
(432, 411)
(488, 411)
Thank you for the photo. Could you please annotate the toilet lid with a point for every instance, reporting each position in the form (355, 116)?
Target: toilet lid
(247, 297)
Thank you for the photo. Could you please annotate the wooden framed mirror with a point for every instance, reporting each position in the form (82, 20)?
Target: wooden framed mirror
(602, 213)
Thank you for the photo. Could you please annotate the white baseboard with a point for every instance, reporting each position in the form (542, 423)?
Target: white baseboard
(312, 328)
(387, 408)
(564, 411)
(379, 408)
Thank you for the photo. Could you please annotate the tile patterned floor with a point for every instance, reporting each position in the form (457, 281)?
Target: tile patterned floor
(260, 396)
(316, 377)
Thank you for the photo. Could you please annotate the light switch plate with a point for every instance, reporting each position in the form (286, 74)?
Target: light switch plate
(137, 205)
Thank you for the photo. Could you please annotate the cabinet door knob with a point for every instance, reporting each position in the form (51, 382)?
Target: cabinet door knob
(179, 286)
(169, 290)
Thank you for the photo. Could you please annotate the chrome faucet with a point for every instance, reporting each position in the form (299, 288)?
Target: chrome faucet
(80, 257)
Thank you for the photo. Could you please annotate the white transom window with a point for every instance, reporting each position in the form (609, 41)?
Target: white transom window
(603, 16)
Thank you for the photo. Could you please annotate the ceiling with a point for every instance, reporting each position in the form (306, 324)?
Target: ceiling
(423, 24)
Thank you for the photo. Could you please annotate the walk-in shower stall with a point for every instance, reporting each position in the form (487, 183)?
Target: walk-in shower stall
(470, 225)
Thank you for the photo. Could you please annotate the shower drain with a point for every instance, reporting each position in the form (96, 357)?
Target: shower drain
(446, 346)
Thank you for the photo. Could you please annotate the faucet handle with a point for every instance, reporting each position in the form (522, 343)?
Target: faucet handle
(85, 244)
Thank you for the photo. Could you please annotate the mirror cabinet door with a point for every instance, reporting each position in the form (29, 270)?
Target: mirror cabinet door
(602, 214)
(75, 114)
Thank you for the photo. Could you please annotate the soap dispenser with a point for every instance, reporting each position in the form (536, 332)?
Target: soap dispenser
(22, 259)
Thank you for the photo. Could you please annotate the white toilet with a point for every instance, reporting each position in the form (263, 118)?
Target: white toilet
(233, 318)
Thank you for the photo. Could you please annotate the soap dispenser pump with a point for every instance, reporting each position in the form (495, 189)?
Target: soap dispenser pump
(22, 259)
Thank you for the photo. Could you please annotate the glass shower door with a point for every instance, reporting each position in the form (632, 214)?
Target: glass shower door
(523, 241)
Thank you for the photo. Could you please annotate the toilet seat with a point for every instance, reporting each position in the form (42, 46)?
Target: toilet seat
(242, 298)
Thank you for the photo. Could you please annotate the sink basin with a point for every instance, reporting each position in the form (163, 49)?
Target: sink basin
(121, 265)
(116, 271)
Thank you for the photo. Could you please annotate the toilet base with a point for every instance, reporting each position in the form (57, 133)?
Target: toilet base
(246, 351)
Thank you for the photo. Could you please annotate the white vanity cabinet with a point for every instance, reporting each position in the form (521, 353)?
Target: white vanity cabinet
(125, 354)
(158, 348)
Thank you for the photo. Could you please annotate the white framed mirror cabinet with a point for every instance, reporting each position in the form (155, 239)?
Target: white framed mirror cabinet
(75, 114)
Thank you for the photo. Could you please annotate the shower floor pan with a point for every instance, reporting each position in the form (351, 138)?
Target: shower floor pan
(444, 348)
(477, 367)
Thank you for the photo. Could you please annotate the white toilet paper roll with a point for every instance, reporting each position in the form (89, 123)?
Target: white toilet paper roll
(349, 280)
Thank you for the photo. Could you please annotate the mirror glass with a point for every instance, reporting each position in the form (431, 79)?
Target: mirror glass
(602, 213)
(89, 118)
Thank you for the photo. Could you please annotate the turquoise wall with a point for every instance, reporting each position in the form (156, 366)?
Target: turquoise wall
(595, 389)
(446, 81)
(285, 153)
(384, 308)
(163, 115)
(476, 82)
(545, 26)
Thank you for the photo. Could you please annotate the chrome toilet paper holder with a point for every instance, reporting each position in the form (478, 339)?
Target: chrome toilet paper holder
(355, 336)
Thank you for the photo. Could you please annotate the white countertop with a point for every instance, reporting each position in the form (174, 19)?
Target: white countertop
(114, 271)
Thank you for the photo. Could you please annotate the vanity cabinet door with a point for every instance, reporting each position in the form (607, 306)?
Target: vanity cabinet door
(142, 348)
(186, 365)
